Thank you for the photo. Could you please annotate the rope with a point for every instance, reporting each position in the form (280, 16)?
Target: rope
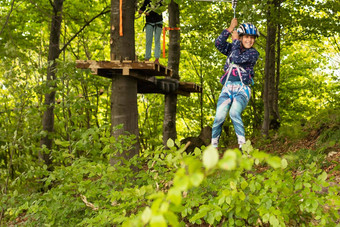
(164, 30)
(233, 3)
(121, 17)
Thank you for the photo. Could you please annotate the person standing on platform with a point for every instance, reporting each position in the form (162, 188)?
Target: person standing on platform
(153, 28)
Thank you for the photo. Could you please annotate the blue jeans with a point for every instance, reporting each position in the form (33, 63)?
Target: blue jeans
(153, 30)
(234, 98)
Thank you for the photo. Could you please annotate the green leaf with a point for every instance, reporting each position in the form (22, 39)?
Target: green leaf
(62, 143)
(307, 185)
(273, 221)
(158, 221)
(164, 207)
(146, 215)
(155, 205)
(197, 151)
(247, 147)
(196, 179)
(181, 181)
(170, 143)
(298, 185)
(232, 185)
(172, 218)
(265, 217)
(174, 195)
(274, 162)
(112, 139)
(228, 200)
(284, 163)
(244, 184)
(228, 162)
(241, 195)
(210, 157)
(323, 176)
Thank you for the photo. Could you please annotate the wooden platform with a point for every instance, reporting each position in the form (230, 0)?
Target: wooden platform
(145, 73)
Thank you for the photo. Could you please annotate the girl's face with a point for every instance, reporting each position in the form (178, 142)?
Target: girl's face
(247, 41)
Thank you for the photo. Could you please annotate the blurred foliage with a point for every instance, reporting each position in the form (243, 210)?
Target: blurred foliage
(84, 189)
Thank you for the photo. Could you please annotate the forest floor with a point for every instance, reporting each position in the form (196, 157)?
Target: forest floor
(310, 148)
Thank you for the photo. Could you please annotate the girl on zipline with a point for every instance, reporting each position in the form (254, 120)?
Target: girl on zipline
(238, 76)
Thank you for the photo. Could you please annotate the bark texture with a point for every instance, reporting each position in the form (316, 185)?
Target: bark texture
(270, 97)
(170, 108)
(53, 54)
(123, 47)
(124, 88)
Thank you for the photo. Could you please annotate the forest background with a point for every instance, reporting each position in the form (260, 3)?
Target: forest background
(81, 187)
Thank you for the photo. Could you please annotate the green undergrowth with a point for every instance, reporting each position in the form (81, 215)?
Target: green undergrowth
(173, 188)
(306, 142)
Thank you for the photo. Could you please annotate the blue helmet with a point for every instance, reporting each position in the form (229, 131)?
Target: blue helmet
(248, 29)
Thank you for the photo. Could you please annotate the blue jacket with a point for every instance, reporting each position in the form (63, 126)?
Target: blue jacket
(245, 58)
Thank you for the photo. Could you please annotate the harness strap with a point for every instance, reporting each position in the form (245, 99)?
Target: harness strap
(231, 66)
(154, 25)
(238, 68)
(229, 70)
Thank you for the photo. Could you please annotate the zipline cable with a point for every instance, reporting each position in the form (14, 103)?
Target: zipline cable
(233, 3)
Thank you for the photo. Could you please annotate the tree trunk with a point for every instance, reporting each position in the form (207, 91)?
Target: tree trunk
(124, 88)
(53, 54)
(123, 47)
(269, 87)
(276, 114)
(169, 123)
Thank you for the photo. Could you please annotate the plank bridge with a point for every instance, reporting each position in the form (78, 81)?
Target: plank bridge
(151, 77)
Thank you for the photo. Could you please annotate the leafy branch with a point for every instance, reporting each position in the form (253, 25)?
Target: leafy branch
(104, 11)
(7, 18)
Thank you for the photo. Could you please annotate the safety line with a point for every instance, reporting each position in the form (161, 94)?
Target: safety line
(164, 30)
(121, 17)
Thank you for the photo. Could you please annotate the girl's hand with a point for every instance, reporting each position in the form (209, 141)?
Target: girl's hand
(234, 35)
(233, 25)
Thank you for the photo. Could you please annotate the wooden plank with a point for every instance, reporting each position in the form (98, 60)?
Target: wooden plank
(115, 61)
(189, 87)
(94, 71)
(127, 61)
(178, 92)
(126, 71)
(148, 68)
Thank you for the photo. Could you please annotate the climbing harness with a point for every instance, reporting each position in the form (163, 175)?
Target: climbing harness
(231, 66)
(230, 69)
(164, 30)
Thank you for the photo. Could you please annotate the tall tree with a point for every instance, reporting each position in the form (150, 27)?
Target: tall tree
(271, 116)
(53, 54)
(169, 123)
(124, 88)
(54, 51)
